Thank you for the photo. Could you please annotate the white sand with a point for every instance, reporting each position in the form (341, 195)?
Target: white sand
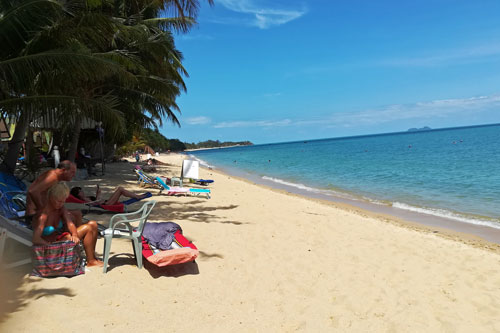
(269, 261)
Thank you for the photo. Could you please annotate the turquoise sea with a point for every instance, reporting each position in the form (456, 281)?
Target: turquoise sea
(450, 173)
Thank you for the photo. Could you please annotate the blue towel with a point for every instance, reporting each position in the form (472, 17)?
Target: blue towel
(132, 200)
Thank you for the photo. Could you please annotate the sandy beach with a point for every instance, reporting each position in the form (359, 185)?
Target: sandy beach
(269, 261)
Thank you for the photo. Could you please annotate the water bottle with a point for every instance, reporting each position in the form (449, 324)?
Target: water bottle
(56, 156)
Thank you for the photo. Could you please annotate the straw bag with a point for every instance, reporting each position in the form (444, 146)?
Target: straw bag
(58, 259)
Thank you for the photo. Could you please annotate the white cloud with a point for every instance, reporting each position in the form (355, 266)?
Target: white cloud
(276, 94)
(201, 120)
(260, 15)
(448, 57)
(446, 108)
(195, 37)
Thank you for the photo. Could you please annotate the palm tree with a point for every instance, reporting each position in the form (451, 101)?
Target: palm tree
(146, 40)
(90, 59)
(33, 80)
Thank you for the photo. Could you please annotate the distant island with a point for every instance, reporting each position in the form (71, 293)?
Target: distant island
(425, 128)
(215, 144)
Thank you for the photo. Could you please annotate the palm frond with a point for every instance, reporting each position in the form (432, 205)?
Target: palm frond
(22, 20)
(171, 23)
(19, 74)
(65, 107)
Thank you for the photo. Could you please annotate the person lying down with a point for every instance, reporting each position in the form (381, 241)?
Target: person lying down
(78, 192)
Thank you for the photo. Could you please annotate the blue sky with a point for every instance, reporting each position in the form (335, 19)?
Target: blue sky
(276, 71)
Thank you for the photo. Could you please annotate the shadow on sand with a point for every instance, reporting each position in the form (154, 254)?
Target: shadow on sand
(14, 298)
(120, 259)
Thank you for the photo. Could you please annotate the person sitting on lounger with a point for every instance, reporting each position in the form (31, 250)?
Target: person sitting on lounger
(54, 223)
(78, 192)
(36, 196)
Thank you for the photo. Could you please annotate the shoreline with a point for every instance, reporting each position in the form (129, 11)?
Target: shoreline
(269, 260)
(452, 228)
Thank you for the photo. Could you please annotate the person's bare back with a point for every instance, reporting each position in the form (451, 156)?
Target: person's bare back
(36, 197)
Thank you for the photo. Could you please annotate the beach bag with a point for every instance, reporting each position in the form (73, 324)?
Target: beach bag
(58, 259)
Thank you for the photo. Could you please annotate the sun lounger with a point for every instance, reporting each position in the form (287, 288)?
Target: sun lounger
(145, 180)
(18, 232)
(116, 208)
(183, 251)
(182, 190)
(12, 196)
(203, 181)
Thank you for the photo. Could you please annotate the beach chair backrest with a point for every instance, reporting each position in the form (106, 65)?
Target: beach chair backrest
(162, 183)
(132, 232)
(190, 169)
(11, 191)
(125, 219)
(9, 183)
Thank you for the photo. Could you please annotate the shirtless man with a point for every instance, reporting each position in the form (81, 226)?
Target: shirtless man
(36, 198)
(53, 223)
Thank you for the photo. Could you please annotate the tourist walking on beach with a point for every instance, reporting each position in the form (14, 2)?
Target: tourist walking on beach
(36, 197)
(54, 223)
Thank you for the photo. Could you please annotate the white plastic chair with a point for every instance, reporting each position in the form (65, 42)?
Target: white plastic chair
(120, 226)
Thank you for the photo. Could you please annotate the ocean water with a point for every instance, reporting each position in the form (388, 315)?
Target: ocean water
(451, 173)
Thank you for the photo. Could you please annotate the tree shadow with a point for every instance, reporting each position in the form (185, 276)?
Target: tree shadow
(199, 214)
(12, 296)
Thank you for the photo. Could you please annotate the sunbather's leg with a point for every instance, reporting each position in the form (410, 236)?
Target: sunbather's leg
(121, 191)
(88, 236)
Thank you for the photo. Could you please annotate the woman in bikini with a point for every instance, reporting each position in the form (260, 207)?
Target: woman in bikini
(53, 223)
(78, 192)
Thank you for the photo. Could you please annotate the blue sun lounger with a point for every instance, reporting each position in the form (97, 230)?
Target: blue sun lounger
(11, 191)
(182, 190)
(145, 180)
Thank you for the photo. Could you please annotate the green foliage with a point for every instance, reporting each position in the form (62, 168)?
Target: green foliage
(129, 148)
(176, 145)
(216, 144)
(113, 61)
(153, 139)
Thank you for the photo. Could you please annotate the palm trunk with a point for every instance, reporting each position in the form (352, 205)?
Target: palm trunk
(9, 163)
(73, 146)
(29, 146)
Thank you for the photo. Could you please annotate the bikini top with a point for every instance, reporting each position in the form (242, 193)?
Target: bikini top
(47, 231)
